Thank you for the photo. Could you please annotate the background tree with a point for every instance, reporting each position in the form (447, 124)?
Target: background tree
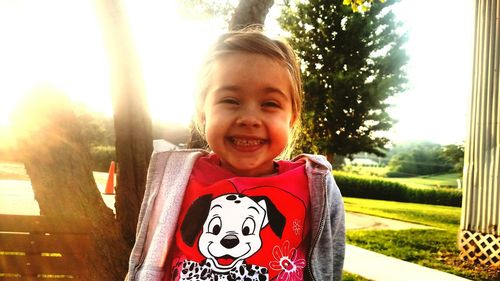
(352, 62)
(132, 120)
(57, 160)
(454, 156)
(423, 158)
(97, 128)
(249, 12)
(360, 5)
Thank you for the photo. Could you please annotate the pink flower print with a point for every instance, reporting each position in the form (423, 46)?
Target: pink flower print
(297, 227)
(287, 262)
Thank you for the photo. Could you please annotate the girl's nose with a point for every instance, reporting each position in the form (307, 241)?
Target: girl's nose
(248, 118)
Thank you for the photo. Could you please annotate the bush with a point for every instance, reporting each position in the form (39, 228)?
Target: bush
(102, 157)
(371, 188)
(394, 174)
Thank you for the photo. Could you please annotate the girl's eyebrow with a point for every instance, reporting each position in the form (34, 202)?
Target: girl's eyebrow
(228, 88)
(268, 90)
(235, 89)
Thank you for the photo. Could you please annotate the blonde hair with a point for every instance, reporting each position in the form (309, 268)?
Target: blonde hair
(252, 40)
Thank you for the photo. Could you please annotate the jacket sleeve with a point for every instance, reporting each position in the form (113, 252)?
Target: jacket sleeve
(337, 226)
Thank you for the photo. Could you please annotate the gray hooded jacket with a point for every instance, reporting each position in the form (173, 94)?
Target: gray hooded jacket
(167, 179)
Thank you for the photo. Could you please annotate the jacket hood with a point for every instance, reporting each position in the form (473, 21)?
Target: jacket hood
(318, 162)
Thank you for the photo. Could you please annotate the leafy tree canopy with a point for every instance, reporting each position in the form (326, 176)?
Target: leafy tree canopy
(208, 9)
(454, 155)
(351, 63)
(360, 5)
(425, 158)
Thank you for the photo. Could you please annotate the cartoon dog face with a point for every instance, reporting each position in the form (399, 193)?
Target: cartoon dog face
(231, 227)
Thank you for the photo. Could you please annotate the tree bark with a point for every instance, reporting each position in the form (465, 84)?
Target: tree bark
(133, 127)
(58, 163)
(249, 12)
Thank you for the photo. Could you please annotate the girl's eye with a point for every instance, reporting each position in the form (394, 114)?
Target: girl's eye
(271, 104)
(229, 101)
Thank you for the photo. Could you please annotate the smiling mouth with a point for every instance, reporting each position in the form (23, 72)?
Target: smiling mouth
(246, 142)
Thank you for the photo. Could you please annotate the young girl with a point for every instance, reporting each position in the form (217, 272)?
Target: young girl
(237, 213)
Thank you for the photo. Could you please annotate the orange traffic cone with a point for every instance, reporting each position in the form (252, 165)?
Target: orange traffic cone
(110, 184)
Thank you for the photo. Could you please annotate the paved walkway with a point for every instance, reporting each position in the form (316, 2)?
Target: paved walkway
(16, 196)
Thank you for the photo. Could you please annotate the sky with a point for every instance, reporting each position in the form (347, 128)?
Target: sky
(58, 43)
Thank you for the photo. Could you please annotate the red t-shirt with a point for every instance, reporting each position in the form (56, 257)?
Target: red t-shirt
(242, 228)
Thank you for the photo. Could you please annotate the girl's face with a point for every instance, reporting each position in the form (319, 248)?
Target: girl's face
(248, 112)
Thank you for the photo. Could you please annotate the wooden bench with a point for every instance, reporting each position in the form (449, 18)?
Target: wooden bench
(43, 248)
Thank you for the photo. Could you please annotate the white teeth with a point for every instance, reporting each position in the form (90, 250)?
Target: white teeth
(246, 142)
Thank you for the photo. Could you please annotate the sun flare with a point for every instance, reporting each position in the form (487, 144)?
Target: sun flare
(60, 44)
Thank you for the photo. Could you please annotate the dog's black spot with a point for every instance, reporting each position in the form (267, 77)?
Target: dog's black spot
(237, 201)
(262, 277)
(263, 270)
(247, 279)
(241, 195)
(231, 197)
(251, 270)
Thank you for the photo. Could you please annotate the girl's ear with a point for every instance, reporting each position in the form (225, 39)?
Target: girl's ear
(293, 119)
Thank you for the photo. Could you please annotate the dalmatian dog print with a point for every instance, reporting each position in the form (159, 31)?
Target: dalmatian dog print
(230, 228)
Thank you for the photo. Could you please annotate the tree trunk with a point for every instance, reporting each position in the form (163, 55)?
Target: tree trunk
(133, 128)
(250, 12)
(58, 163)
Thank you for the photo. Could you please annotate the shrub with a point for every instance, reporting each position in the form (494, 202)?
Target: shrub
(372, 188)
(394, 174)
(102, 157)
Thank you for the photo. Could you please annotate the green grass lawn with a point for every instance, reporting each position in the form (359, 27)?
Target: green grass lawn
(346, 276)
(442, 180)
(442, 217)
(434, 248)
